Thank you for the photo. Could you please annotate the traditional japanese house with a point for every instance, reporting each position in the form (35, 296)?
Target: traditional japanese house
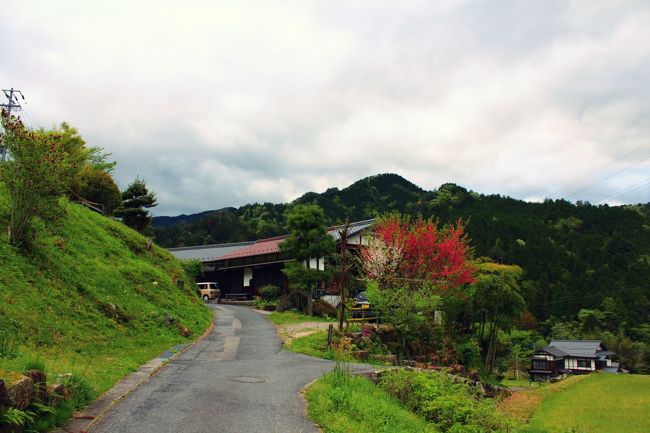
(242, 268)
(570, 356)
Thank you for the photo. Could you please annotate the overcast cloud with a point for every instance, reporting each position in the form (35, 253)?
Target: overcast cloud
(222, 103)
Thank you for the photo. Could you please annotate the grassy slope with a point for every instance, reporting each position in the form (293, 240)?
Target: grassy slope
(352, 404)
(53, 301)
(600, 403)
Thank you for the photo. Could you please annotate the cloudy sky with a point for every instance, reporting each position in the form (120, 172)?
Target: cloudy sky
(222, 103)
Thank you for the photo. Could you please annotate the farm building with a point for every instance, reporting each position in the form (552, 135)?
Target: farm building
(241, 268)
(571, 356)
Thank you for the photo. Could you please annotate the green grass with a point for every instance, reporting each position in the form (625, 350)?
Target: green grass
(313, 345)
(601, 403)
(340, 403)
(521, 383)
(289, 317)
(56, 302)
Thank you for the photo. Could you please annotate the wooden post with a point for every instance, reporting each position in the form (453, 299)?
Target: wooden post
(330, 332)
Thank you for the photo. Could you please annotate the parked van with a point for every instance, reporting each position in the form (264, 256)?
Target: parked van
(209, 291)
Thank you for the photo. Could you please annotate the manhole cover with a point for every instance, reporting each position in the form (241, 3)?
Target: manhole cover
(248, 379)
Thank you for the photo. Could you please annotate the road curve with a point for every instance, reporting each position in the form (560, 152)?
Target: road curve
(237, 379)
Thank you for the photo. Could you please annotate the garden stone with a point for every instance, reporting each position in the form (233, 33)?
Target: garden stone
(21, 393)
(184, 330)
(387, 333)
(361, 355)
(40, 384)
(4, 397)
(57, 393)
(391, 359)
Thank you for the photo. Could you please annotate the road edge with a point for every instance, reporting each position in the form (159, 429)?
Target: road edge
(83, 421)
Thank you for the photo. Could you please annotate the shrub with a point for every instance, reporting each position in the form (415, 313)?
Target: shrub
(470, 354)
(264, 304)
(193, 269)
(269, 292)
(451, 405)
(324, 309)
(296, 299)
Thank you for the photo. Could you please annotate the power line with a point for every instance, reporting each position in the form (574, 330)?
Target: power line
(627, 191)
(578, 179)
(609, 176)
(13, 103)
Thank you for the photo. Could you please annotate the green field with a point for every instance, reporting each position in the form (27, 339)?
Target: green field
(601, 403)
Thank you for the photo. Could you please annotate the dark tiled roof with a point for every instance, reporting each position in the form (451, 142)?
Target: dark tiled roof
(208, 253)
(578, 348)
(353, 228)
(554, 351)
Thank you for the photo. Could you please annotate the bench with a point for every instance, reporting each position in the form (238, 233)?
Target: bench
(236, 296)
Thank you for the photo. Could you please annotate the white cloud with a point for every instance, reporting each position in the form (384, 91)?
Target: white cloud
(228, 103)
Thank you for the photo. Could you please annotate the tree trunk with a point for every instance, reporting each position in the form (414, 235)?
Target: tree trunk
(310, 302)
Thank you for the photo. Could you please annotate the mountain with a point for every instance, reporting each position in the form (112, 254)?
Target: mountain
(574, 255)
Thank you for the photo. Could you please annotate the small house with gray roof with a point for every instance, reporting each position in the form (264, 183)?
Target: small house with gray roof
(241, 268)
(571, 356)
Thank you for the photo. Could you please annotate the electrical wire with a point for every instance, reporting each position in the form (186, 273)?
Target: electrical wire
(609, 176)
(627, 191)
(579, 179)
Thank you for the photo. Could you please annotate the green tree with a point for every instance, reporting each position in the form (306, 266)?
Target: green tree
(38, 172)
(308, 239)
(98, 186)
(137, 199)
(498, 300)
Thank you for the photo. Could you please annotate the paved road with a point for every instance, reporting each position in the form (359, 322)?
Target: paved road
(237, 379)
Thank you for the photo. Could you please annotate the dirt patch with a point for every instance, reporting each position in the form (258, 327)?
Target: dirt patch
(290, 332)
(520, 405)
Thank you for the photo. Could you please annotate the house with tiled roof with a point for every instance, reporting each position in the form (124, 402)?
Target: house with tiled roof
(571, 357)
(242, 268)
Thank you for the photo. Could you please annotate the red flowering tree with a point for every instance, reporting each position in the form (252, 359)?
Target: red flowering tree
(419, 252)
(411, 268)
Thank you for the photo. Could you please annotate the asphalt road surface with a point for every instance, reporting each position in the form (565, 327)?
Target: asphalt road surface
(237, 379)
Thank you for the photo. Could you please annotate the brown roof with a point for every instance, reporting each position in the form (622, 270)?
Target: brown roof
(259, 248)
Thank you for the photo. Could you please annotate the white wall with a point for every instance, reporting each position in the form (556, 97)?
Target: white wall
(248, 276)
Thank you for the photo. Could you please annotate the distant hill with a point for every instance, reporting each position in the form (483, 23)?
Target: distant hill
(167, 221)
(574, 255)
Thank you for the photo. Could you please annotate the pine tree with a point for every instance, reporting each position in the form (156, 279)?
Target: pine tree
(308, 239)
(137, 199)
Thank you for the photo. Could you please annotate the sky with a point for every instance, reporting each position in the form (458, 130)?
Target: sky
(223, 103)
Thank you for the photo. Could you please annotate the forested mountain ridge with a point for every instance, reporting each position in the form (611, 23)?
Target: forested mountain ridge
(574, 255)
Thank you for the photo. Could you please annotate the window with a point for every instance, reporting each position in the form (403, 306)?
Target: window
(584, 363)
(539, 364)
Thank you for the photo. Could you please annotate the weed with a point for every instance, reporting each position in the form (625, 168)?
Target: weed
(35, 364)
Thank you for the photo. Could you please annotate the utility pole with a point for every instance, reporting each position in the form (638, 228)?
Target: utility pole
(12, 98)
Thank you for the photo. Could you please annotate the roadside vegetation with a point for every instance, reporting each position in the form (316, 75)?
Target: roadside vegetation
(96, 301)
(341, 403)
(289, 317)
(83, 297)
